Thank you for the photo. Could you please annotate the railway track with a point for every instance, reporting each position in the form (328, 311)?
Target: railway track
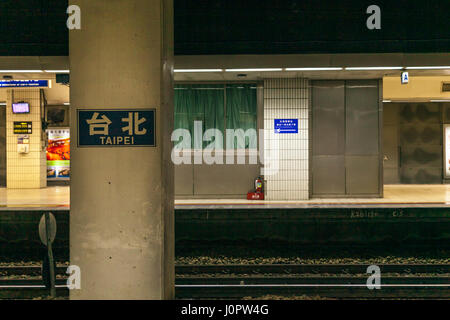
(343, 291)
(266, 269)
(311, 269)
(418, 281)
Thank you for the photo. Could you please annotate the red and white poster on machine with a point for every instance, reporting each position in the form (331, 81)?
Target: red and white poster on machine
(447, 150)
(58, 154)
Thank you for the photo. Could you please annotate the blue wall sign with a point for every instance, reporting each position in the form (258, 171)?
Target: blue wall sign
(25, 83)
(286, 126)
(117, 128)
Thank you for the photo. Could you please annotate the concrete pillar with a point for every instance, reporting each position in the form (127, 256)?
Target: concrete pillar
(122, 220)
(25, 170)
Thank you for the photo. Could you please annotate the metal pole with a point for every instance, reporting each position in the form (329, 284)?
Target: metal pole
(50, 256)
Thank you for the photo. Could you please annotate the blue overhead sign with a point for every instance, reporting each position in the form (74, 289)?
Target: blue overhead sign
(116, 128)
(286, 126)
(25, 83)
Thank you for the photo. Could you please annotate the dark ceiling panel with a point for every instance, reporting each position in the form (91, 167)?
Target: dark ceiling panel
(33, 27)
(325, 26)
(38, 27)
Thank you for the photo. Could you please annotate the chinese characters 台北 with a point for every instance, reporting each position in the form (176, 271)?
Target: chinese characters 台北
(113, 130)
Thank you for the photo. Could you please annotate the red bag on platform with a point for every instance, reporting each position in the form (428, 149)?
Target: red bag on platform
(255, 196)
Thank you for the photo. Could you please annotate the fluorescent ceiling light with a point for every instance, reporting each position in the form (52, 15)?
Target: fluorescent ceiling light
(67, 103)
(372, 68)
(254, 70)
(409, 101)
(2, 103)
(57, 71)
(387, 101)
(21, 71)
(314, 69)
(429, 68)
(198, 70)
(444, 100)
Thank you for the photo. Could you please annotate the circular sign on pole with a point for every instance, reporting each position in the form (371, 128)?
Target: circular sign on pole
(51, 228)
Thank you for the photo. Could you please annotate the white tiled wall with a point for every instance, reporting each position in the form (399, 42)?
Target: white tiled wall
(287, 99)
(25, 171)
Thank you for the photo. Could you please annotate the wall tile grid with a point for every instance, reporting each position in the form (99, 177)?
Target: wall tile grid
(2, 144)
(287, 99)
(25, 171)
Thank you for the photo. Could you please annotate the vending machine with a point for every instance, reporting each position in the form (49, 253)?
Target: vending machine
(58, 154)
(447, 152)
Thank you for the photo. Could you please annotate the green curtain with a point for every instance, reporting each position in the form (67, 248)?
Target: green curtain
(206, 103)
(242, 113)
(199, 102)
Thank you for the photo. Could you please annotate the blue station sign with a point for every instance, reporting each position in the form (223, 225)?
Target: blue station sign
(25, 83)
(286, 126)
(116, 128)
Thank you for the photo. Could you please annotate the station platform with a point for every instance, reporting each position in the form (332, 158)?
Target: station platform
(395, 196)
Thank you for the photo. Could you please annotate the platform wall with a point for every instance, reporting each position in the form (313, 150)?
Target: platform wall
(346, 139)
(2, 146)
(19, 236)
(286, 155)
(26, 171)
(413, 142)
